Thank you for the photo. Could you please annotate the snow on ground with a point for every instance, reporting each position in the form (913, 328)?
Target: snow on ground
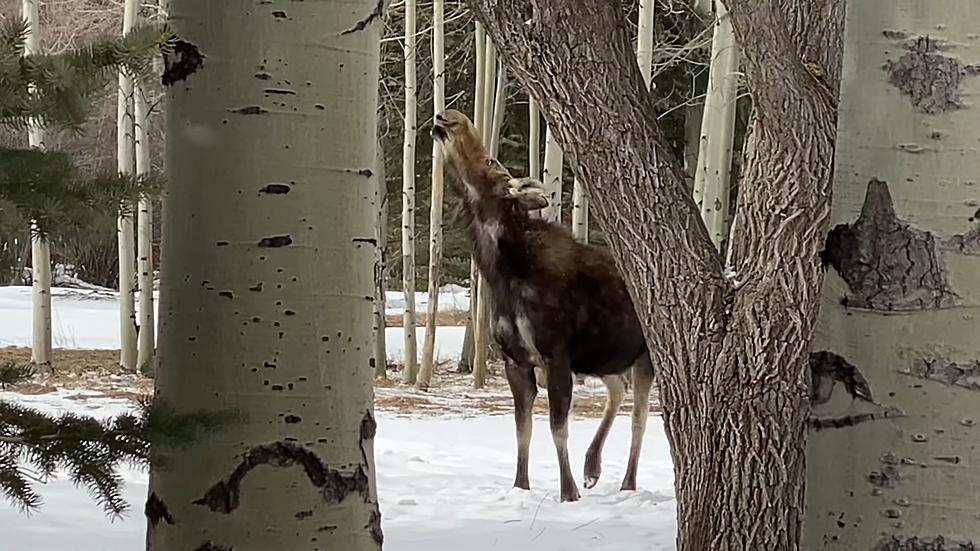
(444, 485)
(89, 319)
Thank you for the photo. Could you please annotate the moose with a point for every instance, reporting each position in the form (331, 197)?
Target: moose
(557, 304)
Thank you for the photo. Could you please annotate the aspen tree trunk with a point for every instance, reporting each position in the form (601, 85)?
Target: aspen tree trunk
(533, 139)
(410, 370)
(644, 40)
(435, 209)
(732, 357)
(125, 224)
(40, 247)
(712, 177)
(381, 235)
(552, 176)
(901, 301)
(580, 212)
(147, 325)
(267, 319)
(494, 105)
(466, 358)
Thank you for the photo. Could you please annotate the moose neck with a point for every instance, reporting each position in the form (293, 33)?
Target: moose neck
(497, 230)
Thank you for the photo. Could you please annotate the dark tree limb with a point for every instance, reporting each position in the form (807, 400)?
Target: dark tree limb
(731, 353)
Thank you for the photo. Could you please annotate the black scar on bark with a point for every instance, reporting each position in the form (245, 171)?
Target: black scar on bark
(827, 369)
(181, 59)
(932, 81)
(208, 546)
(225, 496)
(915, 543)
(888, 265)
(156, 510)
(943, 370)
(967, 243)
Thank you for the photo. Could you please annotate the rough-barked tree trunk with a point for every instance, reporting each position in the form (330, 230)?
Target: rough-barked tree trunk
(126, 223)
(410, 369)
(901, 301)
(731, 353)
(40, 246)
(268, 258)
(435, 207)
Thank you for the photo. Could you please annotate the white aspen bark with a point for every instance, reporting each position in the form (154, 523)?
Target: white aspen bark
(125, 223)
(499, 110)
(901, 299)
(435, 208)
(381, 235)
(147, 338)
(580, 212)
(494, 105)
(268, 256)
(410, 370)
(712, 178)
(552, 177)
(466, 357)
(40, 247)
(489, 86)
(533, 139)
(644, 40)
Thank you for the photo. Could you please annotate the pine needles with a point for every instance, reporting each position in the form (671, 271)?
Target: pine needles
(33, 446)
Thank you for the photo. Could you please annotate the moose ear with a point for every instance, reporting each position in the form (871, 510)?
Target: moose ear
(529, 193)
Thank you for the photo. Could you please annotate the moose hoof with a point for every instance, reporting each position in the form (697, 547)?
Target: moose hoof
(570, 495)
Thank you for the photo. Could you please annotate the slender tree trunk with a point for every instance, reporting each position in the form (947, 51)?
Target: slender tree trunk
(147, 338)
(410, 370)
(712, 177)
(533, 139)
(40, 247)
(552, 177)
(494, 105)
(901, 302)
(380, 323)
(125, 225)
(644, 39)
(266, 319)
(466, 358)
(732, 356)
(435, 209)
(580, 212)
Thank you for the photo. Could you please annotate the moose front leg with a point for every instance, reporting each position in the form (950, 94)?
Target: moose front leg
(524, 389)
(560, 402)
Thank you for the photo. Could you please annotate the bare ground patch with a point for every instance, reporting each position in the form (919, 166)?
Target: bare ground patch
(450, 392)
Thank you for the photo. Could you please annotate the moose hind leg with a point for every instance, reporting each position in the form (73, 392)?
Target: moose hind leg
(524, 390)
(615, 388)
(559, 403)
(642, 382)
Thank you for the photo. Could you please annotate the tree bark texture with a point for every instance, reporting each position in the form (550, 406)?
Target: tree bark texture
(126, 222)
(712, 177)
(435, 207)
(268, 279)
(410, 370)
(731, 353)
(146, 349)
(381, 234)
(40, 246)
(898, 469)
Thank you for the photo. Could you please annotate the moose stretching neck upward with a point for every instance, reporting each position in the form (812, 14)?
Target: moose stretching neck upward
(557, 304)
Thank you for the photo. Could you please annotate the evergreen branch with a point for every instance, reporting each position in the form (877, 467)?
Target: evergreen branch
(90, 450)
